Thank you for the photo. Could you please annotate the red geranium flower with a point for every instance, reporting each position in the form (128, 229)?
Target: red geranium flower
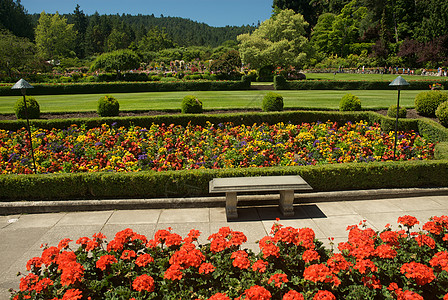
(260, 266)
(310, 255)
(420, 273)
(72, 294)
(408, 221)
(324, 295)
(105, 261)
(278, 279)
(257, 293)
(219, 296)
(293, 295)
(143, 260)
(143, 283)
(206, 268)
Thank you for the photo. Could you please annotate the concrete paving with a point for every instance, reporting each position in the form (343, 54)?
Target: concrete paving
(21, 235)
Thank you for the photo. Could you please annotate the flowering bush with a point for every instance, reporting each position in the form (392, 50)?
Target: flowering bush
(171, 147)
(291, 264)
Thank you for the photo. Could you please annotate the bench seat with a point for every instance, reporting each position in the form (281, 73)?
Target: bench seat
(286, 185)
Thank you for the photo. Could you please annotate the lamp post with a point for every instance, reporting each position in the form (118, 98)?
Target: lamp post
(398, 82)
(22, 85)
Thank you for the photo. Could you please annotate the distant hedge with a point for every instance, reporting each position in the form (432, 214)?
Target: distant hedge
(128, 87)
(349, 85)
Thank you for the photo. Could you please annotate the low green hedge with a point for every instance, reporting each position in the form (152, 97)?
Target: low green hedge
(425, 126)
(128, 87)
(193, 183)
(348, 85)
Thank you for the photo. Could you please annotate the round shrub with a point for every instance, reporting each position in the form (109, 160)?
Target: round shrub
(108, 106)
(32, 106)
(272, 102)
(426, 103)
(442, 113)
(191, 105)
(392, 112)
(350, 103)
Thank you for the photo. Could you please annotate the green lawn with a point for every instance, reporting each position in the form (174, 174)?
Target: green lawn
(313, 99)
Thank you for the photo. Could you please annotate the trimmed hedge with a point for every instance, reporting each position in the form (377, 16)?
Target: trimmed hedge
(191, 183)
(129, 87)
(349, 85)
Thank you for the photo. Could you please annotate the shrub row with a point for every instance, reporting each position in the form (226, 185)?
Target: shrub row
(195, 182)
(431, 129)
(280, 84)
(129, 87)
(192, 183)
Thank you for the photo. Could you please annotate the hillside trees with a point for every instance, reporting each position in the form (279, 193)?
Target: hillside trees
(279, 41)
(54, 37)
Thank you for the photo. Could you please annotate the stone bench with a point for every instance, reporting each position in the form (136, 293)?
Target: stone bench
(286, 185)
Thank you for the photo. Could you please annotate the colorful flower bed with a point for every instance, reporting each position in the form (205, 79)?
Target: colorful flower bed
(291, 264)
(170, 147)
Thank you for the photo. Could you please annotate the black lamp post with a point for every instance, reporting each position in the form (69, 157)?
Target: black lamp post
(22, 85)
(398, 82)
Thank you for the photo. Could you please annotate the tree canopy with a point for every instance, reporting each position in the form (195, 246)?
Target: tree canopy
(54, 37)
(279, 41)
(116, 61)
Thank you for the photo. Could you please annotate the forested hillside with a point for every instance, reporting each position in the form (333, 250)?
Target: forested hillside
(182, 32)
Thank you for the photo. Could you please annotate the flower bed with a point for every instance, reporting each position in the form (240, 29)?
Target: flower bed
(291, 264)
(171, 147)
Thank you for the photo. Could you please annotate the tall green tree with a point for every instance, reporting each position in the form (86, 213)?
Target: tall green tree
(16, 53)
(14, 17)
(346, 28)
(80, 23)
(54, 37)
(279, 41)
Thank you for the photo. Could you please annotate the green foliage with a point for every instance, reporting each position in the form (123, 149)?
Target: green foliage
(14, 18)
(108, 106)
(442, 113)
(16, 54)
(426, 103)
(280, 83)
(350, 102)
(32, 108)
(54, 36)
(272, 102)
(116, 61)
(392, 112)
(279, 41)
(191, 105)
(131, 87)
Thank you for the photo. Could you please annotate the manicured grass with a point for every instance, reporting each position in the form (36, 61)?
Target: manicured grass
(317, 99)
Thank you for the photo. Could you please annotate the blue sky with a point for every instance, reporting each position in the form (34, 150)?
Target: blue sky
(212, 12)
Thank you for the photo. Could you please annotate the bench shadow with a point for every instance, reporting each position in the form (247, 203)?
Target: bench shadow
(272, 212)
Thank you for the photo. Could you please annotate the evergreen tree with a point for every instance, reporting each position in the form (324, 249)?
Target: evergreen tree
(13, 17)
(80, 26)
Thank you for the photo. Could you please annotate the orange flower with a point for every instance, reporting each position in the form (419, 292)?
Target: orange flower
(143, 283)
(420, 273)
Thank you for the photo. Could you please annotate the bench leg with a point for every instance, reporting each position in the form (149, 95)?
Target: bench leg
(231, 201)
(286, 203)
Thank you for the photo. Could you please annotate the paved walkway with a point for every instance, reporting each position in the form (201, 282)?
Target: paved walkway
(22, 235)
